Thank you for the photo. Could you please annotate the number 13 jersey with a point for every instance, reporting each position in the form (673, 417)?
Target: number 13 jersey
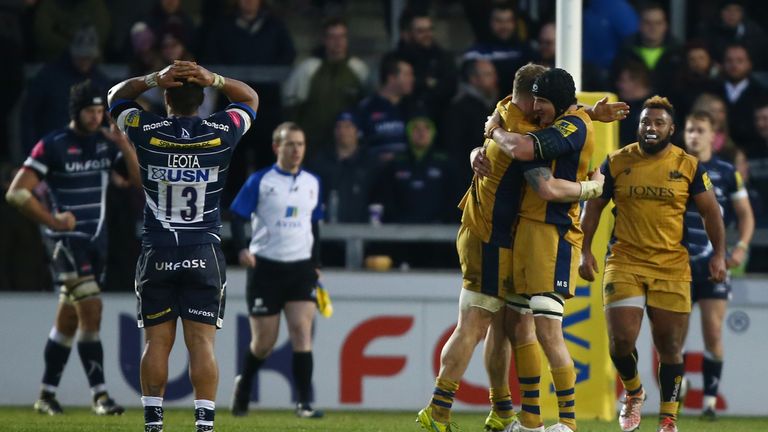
(184, 163)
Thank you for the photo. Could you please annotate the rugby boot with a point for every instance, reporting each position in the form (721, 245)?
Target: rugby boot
(240, 399)
(105, 405)
(495, 423)
(48, 405)
(558, 427)
(425, 420)
(667, 425)
(629, 417)
(304, 410)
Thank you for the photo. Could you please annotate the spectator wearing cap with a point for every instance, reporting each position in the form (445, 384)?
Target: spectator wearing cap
(741, 93)
(346, 173)
(420, 186)
(433, 68)
(382, 116)
(733, 26)
(252, 36)
(57, 21)
(45, 105)
(654, 47)
(462, 128)
(503, 47)
(323, 85)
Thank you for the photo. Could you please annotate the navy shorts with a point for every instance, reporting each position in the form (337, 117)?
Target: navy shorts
(181, 281)
(702, 288)
(74, 257)
(272, 283)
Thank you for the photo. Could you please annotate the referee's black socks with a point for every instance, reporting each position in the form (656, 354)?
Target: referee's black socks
(302, 375)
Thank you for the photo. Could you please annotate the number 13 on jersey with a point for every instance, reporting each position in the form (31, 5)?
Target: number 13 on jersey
(181, 192)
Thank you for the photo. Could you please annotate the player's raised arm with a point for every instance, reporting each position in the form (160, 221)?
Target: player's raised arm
(236, 91)
(132, 88)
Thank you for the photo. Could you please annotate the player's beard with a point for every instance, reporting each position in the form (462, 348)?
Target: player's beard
(654, 148)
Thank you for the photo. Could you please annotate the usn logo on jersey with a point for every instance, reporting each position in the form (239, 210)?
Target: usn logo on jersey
(183, 169)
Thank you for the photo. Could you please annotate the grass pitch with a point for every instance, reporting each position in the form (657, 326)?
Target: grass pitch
(24, 419)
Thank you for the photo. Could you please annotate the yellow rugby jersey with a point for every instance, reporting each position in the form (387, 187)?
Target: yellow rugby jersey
(651, 195)
(573, 136)
(491, 204)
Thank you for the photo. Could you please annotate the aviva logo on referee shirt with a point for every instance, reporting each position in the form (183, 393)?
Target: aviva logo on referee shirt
(291, 212)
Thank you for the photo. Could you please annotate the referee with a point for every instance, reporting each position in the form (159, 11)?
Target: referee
(283, 204)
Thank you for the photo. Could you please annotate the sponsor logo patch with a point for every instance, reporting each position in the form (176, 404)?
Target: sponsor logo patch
(159, 314)
(565, 127)
(157, 142)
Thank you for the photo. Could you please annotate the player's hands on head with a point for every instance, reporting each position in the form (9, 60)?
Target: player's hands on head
(194, 73)
(588, 266)
(246, 258)
(63, 221)
(169, 77)
(717, 268)
(608, 112)
(481, 165)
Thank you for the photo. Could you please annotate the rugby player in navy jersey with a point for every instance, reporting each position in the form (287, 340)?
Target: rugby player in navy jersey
(184, 161)
(711, 296)
(75, 162)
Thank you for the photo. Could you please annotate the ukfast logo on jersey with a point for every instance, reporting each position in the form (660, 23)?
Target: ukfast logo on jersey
(89, 165)
(183, 169)
(185, 264)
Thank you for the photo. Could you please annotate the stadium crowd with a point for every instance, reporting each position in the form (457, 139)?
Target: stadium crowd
(392, 128)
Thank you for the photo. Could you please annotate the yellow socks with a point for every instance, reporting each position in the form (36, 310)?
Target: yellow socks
(528, 364)
(501, 401)
(564, 379)
(442, 399)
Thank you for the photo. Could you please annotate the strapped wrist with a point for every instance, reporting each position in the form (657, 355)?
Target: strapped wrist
(742, 245)
(590, 189)
(151, 80)
(493, 128)
(218, 81)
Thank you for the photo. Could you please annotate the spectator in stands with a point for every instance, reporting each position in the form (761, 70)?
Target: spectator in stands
(476, 99)
(346, 174)
(12, 72)
(544, 49)
(503, 48)
(46, 105)
(143, 42)
(699, 76)
(606, 24)
(253, 36)
(741, 93)
(433, 68)
(57, 21)
(382, 116)
(757, 175)
(723, 145)
(733, 26)
(654, 47)
(633, 86)
(420, 186)
(477, 13)
(168, 14)
(320, 87)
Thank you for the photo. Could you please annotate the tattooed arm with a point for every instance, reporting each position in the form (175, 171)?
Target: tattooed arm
(553, 189)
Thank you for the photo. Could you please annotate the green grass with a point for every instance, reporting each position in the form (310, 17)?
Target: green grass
(18, 419)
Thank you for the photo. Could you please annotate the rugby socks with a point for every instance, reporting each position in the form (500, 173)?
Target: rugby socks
(251, 365)
(528, 364)
(153, 412)
(712, 368)
(564, 379)
(670, 377)
(442, 399)
(56, 354)
(627, 368)
(92, 356)
(501, 401)
(302, 375)
(204, 413)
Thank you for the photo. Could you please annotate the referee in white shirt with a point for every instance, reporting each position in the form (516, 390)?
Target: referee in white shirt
(282, 203)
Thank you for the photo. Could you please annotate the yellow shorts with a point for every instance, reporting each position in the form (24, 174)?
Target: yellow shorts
(485, 268)
(544, 261)
(627, 289)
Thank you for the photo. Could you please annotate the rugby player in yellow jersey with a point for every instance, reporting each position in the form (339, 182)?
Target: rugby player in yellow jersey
(490, 209)
(651, 183)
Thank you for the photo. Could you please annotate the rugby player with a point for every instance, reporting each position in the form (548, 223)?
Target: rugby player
(283, 204)
(484, 241)
(76, 163)
(181, 270)
(713, 297)
(651, 183)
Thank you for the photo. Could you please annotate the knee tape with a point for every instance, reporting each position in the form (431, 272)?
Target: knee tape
(549, 305)
(519, 304)
(468, 299)
(81, 290)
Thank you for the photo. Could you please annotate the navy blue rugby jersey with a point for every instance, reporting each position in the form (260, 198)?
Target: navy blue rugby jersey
(728, 187)
(184, 163)
(76, 168)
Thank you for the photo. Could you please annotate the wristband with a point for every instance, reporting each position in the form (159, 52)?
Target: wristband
(18, 197)
(590, 189)
(490, 132)
(742, 245)
(218, 81)
(151, 80)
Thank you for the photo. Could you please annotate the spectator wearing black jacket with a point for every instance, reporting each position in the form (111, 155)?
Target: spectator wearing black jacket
(742, 94)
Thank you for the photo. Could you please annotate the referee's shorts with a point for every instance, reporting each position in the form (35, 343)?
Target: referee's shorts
(271, 284)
